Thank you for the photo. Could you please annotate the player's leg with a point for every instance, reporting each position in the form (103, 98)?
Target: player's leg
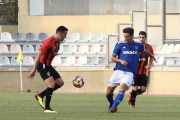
(49, 91)
(143, 84)
(132, 96)
(109, 95)
(59, 83)
(126, 81)
(45, 73)
(55, 82)
(112, 84)
(58, 80)
(120, 95)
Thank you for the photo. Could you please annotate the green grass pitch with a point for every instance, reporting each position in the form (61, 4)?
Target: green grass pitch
(23, 106)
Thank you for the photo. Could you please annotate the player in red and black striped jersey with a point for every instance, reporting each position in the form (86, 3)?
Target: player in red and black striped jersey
(140, 78)
(42, 63)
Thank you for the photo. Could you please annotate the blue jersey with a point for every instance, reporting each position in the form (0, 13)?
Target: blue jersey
(130, 53)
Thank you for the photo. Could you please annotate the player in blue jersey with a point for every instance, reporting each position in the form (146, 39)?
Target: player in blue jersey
(126, 55)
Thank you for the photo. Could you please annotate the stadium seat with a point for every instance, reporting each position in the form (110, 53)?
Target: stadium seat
(28, 48)
(86, 37)
(15, 49)
(93, 61)
(74, 38)
(97, 38)
(71, 49)
(176, 48)
(163, 49)
(160, 61)
(14, 61)
(83, 49)
(30, 36)
(81, 60)
(28, 61)
(95, 49)
(4, 61)
(103, 61)
(103, 50)
(18, 36)
(69, 61)
(170, 49)
(6, 37)
(177, 62)
(61, 48)
(4, 49)
(68, 37)
(111, 34)
(104, 39)
(42, 36)
(38, 46)
(170, 62)
(56, 61)
(157, 49)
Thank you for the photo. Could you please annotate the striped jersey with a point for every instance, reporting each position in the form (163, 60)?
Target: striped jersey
(49, 48)
(143, 61)
(128, 52)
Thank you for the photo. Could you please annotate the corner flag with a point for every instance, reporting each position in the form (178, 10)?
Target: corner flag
(20, 57)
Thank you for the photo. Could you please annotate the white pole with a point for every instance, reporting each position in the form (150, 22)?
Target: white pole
(21, 77)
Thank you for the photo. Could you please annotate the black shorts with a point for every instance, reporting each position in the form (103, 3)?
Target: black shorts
(47, 71)
(140, 80)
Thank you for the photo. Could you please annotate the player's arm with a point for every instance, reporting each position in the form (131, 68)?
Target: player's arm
(151, 59)
(148, 53)
(114, 59)
(149, 66)
(36, 62)
(115, 53)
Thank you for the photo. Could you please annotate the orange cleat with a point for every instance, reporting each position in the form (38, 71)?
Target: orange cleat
(133, 106)
(112, 110)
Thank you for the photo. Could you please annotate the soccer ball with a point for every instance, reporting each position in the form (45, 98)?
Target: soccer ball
(78, 81)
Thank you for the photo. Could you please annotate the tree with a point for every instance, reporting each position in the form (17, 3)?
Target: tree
(10, 14)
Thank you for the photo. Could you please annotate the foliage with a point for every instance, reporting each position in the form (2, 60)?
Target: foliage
(10, 14)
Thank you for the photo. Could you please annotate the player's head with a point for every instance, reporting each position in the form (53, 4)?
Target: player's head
(142, 36)
(128, 34)
(61, 33)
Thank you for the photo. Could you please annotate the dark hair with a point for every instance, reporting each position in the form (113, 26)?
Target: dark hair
(129, 30)
(142, 33)
(61, 29)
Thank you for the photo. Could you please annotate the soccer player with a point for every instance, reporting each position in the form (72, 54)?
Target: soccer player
(140, 78)
(126, 55)
(42, 63)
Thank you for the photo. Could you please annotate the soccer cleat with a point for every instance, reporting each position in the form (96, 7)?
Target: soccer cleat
(133, 106)
(112, 110)
(129, 98)
(49, 111)
(40, 100)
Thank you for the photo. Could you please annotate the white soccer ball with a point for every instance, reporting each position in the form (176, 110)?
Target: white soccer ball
(78, 81)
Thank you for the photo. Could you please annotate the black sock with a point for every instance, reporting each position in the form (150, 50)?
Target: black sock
(43, 93)
(133, 97)
(49, 92)
(139, 92)
(56, 87)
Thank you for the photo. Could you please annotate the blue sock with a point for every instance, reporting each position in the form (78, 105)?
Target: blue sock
(118, 99)
(110, 99)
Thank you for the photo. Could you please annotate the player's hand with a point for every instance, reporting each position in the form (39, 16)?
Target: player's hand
(148, 67)
(124, 63)
(31, 75)
(155, 59)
